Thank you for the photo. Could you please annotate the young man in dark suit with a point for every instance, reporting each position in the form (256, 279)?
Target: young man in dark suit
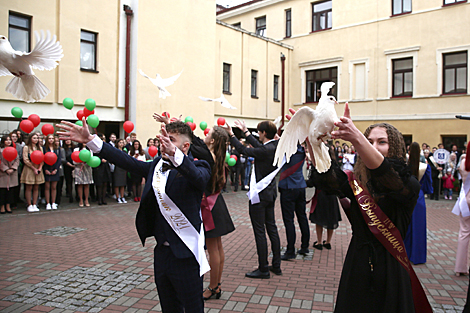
(173, 220)
(261, 206)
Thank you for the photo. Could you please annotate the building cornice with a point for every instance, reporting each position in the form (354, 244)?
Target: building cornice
(255, 35)
(316, 62)
(402, 50)
(245, 7)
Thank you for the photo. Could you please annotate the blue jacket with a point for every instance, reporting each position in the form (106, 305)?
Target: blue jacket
(185, 186)
(296, 179)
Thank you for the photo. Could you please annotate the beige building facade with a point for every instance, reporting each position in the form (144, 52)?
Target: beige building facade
(400, 61)
(106, 43)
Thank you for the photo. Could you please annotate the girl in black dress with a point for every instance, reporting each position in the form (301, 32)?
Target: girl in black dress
(373, 280)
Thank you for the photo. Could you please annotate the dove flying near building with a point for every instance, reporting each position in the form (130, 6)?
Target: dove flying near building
(45, 55)
(314, 125)
(162, 83)
(224, 102)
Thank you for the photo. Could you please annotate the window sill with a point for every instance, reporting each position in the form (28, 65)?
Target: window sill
(88, 70)
(276, 100)
(287, 37)
(254, 97)
(227, 93)
(400, 14)
(320, 30)
(454, 94)
(455, 3)
(401, 97)
(309, 103)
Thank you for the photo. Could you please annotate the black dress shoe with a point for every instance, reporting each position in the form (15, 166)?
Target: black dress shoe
(303, 251)
(317, 245)
(326, 245)
(287, 257)
(258, 274)
(276, 271)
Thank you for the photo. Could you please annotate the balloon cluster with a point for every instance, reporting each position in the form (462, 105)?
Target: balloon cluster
(84, 156)
(230, 159)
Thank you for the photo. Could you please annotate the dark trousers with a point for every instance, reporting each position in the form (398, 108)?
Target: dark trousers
(263, 219)
(60, 185)
(178, 282)
(293, 201)
(6, 196)
(436, 184)
(68, 181)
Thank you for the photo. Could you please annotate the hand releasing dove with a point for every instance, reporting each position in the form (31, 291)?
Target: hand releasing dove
(45, 55)
(224, 102)
(314, 124)
(161, 83)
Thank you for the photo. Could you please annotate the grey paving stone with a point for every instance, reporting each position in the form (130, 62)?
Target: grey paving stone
(255, 299)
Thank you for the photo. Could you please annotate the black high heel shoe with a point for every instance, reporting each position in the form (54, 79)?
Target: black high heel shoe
(215, 293)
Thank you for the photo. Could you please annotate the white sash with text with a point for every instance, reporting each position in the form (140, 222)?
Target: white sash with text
(178, 222)
(257, 187)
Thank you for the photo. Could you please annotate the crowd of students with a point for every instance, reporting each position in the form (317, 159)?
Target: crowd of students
(43, 184)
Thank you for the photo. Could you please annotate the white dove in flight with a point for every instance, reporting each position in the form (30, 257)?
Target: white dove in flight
(277, 122)
(45, 55)
(314, 124)
(161, 83)
(224, 102)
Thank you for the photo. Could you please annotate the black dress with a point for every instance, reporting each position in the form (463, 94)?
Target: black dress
(222, 221)
(326, 213)
(388, 287)
(101, 174)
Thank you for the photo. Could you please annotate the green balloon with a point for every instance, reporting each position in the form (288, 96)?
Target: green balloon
(231, 162)
(93, 120)
(124, 149)
(94, 161)
(84, 155)
(68, 103)
(129, 175)
(203, 125)
(17, 112)
(188, 119)
(227, 156)
(79, 123)
(90, 104)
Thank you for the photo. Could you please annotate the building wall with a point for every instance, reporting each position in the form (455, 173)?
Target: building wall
(365, 34)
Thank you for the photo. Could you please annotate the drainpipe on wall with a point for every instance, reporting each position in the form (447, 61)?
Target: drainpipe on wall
(283, 68)
(129, 14)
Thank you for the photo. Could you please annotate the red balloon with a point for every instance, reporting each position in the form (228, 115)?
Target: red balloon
(233, 156)
(35, 119)
(50, 158)
(75, 157)
(47, 129)
(196, 159)
(87, 112)
(27, 126)
(206, 131)
(80, 115)
(166, 114)
(192, 125)
(14, 145)
(221, 121)
(9, 154)
(37, 157)
(153, 151)
(173, 119)
(128, 126)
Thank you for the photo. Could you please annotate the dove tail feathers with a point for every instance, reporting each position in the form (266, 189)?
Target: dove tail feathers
(28, 88)
(322, 157)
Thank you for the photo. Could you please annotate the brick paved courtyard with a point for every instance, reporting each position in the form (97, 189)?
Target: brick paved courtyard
(91, 260)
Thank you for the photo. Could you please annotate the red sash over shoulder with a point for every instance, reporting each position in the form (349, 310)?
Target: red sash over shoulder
(207, 204)
(389, 236)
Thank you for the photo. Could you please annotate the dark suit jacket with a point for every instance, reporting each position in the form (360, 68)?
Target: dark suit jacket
(264, 157)
(185, 187)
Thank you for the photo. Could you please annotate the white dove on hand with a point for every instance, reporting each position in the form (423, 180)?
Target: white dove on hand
(224, 102)
(162, 83)
(311, 124)
(45, 55)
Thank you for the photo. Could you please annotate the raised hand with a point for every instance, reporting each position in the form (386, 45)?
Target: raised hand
(161, 118)
(74, 132)
(228, 128)
(165, 143)
(346, 128)
(241, 125)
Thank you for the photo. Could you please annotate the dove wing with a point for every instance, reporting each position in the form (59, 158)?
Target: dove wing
(45, 54)
(296, 131)
(205, 99)
(224, 102)
(4, 71)
(169, 81)
(143, 74)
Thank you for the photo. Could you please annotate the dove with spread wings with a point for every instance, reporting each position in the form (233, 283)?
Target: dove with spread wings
(162, 83)
(45, 55)
(224, 102)
(316, 125)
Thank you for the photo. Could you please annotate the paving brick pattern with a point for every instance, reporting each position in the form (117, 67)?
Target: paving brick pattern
(91, 260)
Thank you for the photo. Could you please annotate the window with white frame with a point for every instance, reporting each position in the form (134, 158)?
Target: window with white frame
(19, 31)
(226, 78)
(254, 83)
(322, 15)
(455, 67)
(288, 23)
(401, 7)
(276, 88)
(453, 1)
(315, 78)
